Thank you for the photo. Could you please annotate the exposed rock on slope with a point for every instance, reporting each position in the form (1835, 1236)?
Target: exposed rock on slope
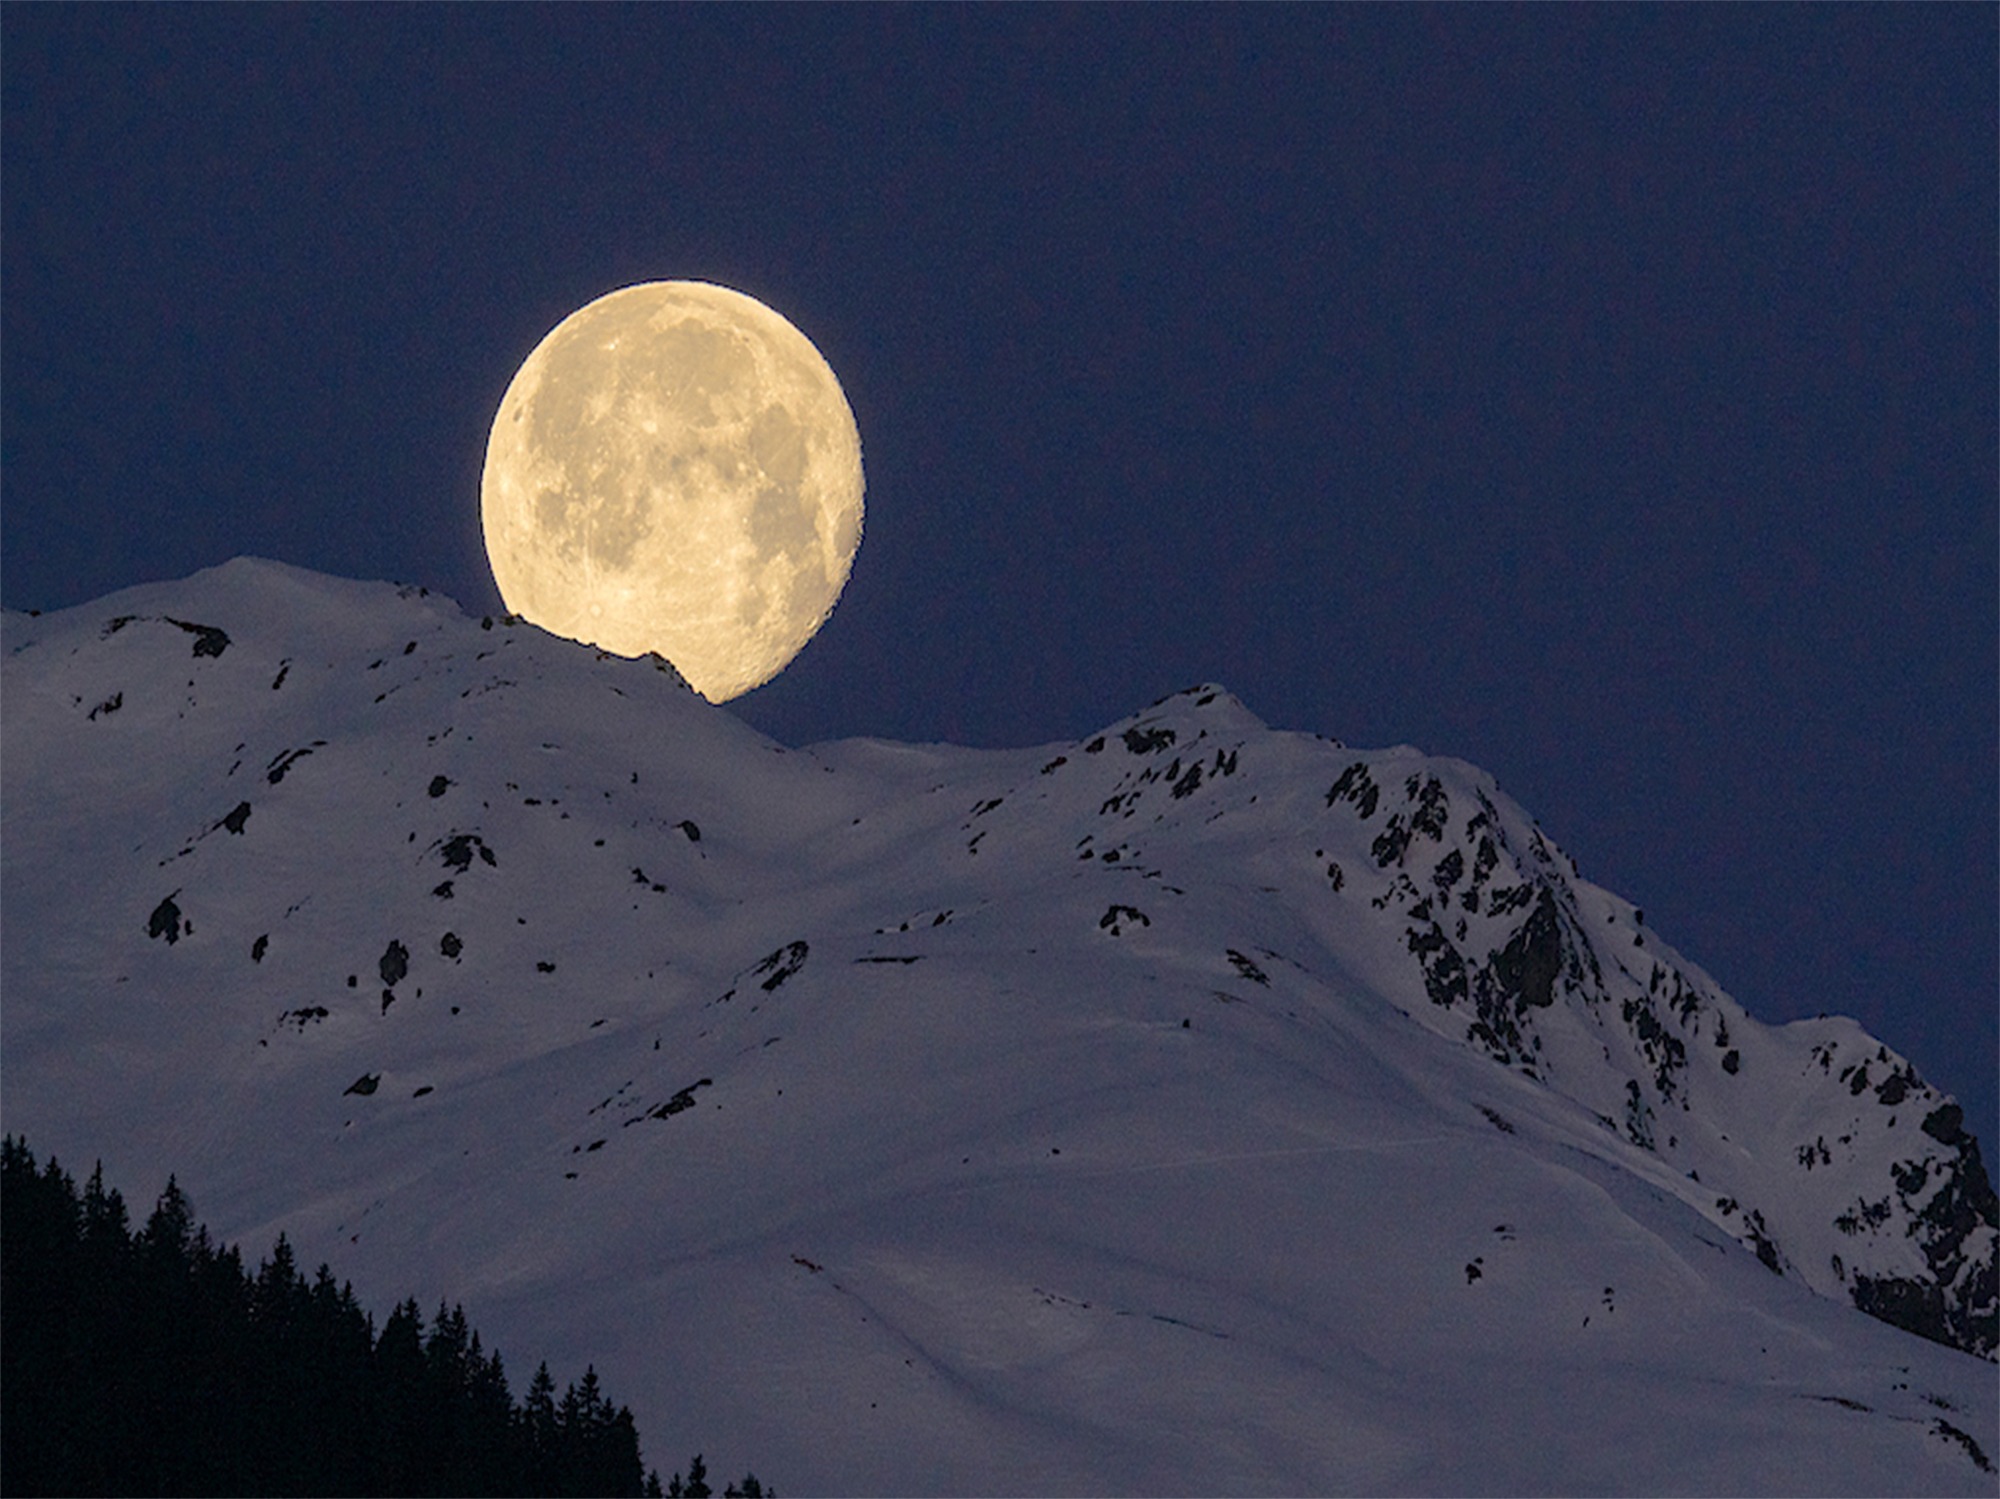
(1192, 1103)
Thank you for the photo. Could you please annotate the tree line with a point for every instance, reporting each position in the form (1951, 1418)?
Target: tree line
(156, 1362)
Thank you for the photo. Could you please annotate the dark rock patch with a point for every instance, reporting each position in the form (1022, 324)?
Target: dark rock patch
(275, 771)
(456, 852)
(1913, 1305)
(1962, 1203)
(1391, 843)
(1431, 810)
(1639, 1118)
(1528, 965)
(1864, 1214)
(235, 820)
(1663, 1049)
(1896, 1087)
(1446, 979)
(781, 965)
(1247, 968)
(1840, 1400)
(679, 1103)
(1973, 1450)
(365, 1084)
(1945, 1124)
(1759, 1239)
(1357, 786)
(166, 921)
(394, 963)
(208, 641)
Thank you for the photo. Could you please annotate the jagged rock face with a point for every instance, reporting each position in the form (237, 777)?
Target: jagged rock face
(1503, 945)
(437, 942)
(1887, 1202)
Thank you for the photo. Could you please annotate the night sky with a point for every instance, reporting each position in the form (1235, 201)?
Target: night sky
(1603, 395)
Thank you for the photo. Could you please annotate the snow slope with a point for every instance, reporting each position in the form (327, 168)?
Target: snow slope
(1193, 1108)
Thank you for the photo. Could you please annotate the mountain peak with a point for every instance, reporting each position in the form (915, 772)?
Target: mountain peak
(1050, 1099)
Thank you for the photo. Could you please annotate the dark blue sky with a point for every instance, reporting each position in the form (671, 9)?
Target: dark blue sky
(1604, 395)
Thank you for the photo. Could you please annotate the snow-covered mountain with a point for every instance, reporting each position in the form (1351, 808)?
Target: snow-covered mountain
(1195, 1107)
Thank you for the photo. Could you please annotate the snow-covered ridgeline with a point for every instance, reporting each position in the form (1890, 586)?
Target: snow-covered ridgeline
(438, 943)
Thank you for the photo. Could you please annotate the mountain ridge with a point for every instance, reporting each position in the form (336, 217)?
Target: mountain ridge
(266, 799)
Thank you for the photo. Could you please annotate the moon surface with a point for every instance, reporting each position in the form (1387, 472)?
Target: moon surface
(675, 470)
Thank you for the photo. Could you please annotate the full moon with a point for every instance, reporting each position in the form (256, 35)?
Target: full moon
(675, 469)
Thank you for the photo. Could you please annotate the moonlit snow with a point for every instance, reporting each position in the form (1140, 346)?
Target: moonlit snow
(1192, 1107)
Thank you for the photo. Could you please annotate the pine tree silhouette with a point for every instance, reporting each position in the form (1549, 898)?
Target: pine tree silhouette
(697, 1482)
(155, 1364)
(537, 1423)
